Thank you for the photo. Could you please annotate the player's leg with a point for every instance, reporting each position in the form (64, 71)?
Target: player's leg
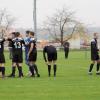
(49, 56)
(54, 68)
(14, 60)
(2, 61)
(36, 69)
(65, 53)
(49, 67)
(91, 67)
(0, 68)
(93, 59)
(54, 63)
(34, 63)
(3, 70)
(19, 65)
(26, 59)
(98, 67)
(27, 63)
(31, 66)
(13, 70)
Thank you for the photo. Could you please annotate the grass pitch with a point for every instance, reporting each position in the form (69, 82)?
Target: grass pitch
(72, 82)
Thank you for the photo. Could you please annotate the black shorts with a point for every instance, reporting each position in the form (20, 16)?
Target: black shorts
(2, 58)
(94, 57)
(52, 56)
(33, 56)
(17, 58)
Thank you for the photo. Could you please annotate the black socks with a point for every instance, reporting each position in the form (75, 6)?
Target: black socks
(20, 71)
(36, 70)
(55, 69)
(91, 67)
(98, 65)
(13, 70)
(2, 69)
(49, 70)
(32, 70)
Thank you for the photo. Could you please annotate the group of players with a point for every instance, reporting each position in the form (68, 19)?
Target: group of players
(49, 54)
(29, 42)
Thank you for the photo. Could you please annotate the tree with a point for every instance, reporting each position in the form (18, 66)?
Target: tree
(62, 23)
(6, 21)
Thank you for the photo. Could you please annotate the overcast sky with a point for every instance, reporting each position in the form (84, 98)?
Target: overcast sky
(87, 11)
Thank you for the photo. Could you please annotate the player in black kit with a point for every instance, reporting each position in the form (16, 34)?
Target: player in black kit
(17, 59)
(32, 55)
(94, 54)
(66, 49)
(51, 58)
(2, 58)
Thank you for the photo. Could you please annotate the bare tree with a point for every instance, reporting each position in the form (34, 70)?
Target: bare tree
(6, 21)
(61, 24)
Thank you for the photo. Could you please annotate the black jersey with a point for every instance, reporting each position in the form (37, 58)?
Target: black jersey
(51, 53)
(32, 40)
(94, 47)
(17, 44)
(66, 46)
(2, 45)
(49, 49)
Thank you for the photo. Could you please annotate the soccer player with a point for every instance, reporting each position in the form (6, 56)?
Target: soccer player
(94, 54)
(32, 55)
(2, 58)
(66, 49)
(10, 45)
(51, 58)
(17, 44)
(27, 40)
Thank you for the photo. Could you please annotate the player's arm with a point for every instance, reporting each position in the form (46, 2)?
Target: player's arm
(44, 54)
(8, 39)
(85, 44)
(31, 48)
(23, 42)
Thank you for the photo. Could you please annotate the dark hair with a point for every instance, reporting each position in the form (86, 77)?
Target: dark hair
(27, 32)
(95, 34)
(13, 33)
(17, 34)
(32, 33)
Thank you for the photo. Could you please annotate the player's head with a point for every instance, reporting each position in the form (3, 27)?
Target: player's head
(13, 34)
(31, 34)
(48, 44)
(17, 34)
(27, 33)
(96, 35)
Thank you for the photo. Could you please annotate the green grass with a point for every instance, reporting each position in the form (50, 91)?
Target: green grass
(72, 82)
